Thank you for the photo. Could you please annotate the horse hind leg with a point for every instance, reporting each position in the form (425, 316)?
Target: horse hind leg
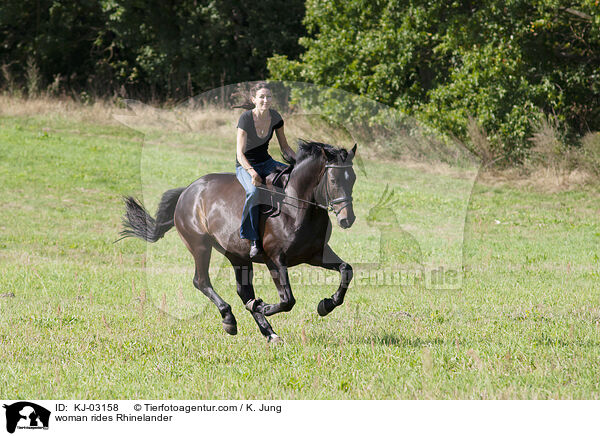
(202, 282)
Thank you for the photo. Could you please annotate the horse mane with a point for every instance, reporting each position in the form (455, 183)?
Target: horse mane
(311, 149)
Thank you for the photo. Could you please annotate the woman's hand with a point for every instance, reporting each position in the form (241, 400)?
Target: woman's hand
(256, 179)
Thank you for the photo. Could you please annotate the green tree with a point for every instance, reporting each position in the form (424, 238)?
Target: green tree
(59, 36)
(180, 47)
(503, 62)
(146, 48)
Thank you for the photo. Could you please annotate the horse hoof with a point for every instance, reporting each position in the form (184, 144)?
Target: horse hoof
(230, 328)
(325, 306)
(274, 340)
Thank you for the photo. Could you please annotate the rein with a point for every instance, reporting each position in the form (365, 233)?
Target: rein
(328, 203)
(283, 194)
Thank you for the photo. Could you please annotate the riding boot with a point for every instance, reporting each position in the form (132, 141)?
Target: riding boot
(255, 248)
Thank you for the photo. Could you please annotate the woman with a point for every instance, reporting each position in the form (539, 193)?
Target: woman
(254, 131)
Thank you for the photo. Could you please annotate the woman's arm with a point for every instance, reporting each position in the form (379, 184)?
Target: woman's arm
(286, 150)
(241, 157)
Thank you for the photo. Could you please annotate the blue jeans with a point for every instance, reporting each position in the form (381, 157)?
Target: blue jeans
(250, 215)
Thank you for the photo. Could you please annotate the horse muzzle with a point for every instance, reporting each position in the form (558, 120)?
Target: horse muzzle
(346, 217)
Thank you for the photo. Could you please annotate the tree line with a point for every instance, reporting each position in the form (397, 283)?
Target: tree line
(152, 49)
(504, 64)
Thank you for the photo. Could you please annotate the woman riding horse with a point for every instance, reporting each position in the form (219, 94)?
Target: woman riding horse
(207, 214)
(254, 131)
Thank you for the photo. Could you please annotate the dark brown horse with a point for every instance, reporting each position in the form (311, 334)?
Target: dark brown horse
(207, 215)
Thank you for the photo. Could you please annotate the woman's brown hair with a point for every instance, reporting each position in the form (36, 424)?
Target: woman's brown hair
(247, 95)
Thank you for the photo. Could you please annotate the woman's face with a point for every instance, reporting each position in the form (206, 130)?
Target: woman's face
(262, 99)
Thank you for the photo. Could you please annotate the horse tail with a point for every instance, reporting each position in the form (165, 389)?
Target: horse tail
(139, 223)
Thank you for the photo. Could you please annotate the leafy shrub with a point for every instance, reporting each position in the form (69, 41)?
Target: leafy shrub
(501, 62)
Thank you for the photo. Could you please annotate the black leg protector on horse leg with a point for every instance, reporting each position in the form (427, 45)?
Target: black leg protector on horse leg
(282, 282)
(346, 277)
(243, 278)
(333, 262)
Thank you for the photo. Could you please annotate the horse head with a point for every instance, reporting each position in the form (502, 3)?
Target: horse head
(336, 177)
(338, 182)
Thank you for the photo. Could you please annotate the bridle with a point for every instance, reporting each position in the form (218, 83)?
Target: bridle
(327, 204)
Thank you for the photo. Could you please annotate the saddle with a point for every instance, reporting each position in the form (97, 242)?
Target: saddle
(273, 192)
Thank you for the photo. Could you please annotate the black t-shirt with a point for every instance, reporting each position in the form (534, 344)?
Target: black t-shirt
(257, 147)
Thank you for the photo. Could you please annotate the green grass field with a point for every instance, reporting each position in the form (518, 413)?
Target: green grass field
(83, 317)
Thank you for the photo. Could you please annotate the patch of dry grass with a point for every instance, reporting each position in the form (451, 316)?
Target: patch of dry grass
(553, 165)
(481, 145)
(540, 179)
(44, 105)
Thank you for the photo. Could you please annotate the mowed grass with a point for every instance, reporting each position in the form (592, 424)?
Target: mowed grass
(83, 317)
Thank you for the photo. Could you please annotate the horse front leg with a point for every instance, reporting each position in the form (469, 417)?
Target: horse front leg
(243, 277)
(329, 260)
(279, 272)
